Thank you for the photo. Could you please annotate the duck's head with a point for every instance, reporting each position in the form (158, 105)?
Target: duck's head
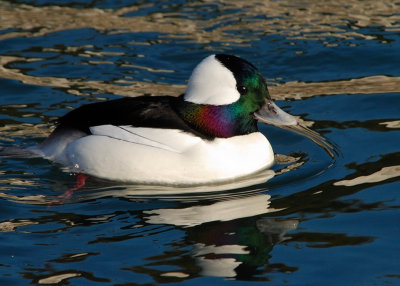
(227, 95)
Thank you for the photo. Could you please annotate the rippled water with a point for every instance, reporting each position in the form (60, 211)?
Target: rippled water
(317, 221)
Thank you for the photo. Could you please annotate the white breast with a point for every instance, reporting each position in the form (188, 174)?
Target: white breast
(148, 155)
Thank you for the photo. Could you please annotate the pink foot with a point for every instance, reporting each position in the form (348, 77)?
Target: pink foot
(80, 182)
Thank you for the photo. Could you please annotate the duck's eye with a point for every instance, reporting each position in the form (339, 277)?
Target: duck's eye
(242, 89)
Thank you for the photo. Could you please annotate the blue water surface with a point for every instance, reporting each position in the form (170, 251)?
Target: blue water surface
(319, 220)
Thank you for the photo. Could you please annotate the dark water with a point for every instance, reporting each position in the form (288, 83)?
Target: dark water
(318, 221)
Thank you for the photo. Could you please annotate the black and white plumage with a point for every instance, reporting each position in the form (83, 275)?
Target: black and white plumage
(209, 134)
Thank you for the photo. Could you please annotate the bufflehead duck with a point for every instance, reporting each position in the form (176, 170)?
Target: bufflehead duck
(208, 134)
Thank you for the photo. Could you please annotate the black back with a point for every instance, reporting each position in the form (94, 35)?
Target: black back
(142, 111)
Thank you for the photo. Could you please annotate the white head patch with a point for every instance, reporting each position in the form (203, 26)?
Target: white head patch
(211, 83)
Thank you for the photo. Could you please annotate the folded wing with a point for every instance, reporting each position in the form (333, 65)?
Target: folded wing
(173, 140)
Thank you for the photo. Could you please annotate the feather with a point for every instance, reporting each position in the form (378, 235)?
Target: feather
(142, 111)
(172, 140)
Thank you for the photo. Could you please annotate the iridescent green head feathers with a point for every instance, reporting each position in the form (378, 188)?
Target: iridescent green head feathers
(222, 96)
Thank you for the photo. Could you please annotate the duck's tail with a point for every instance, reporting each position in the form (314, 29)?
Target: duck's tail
(17, 152)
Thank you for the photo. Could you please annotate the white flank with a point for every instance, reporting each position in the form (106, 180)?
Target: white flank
(149, 155)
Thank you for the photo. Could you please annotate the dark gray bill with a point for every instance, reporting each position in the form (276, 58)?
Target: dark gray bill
(270, 113)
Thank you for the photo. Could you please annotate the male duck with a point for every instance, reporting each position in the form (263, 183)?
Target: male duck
(208, 134)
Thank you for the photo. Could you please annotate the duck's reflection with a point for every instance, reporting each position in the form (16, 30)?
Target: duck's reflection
(228, 230)
(239, 253)
(226, 210)
(230, 233)
(230, 238)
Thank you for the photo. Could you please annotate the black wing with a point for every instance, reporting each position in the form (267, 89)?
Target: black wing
(142, 111)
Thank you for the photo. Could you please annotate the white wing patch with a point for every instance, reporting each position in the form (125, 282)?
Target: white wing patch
(173, 140)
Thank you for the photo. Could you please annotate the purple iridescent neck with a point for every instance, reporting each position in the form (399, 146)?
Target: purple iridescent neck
(222, 121)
